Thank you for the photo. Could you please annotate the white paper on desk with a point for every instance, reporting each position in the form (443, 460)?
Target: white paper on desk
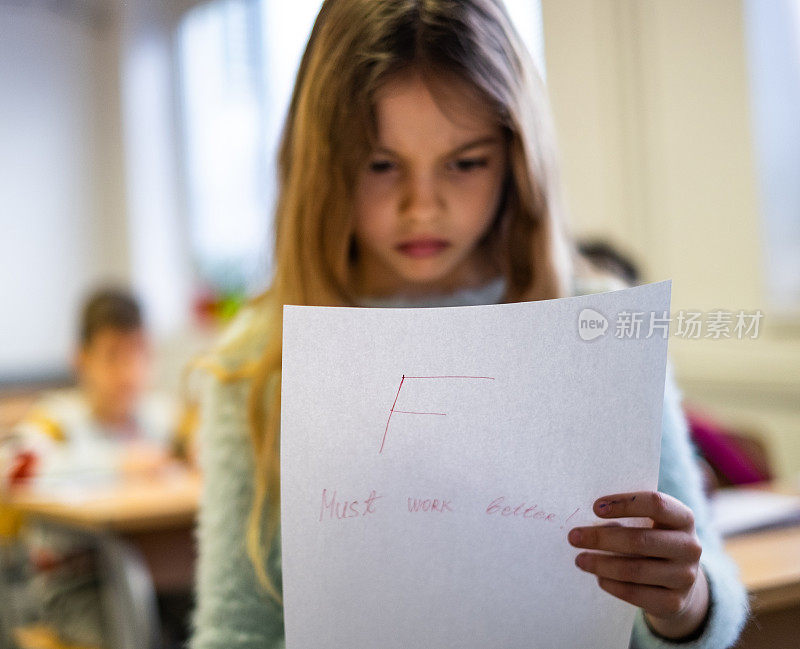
(740, 509)
(560, 422)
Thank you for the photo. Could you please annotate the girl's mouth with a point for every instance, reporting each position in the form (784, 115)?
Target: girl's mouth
(418, 248)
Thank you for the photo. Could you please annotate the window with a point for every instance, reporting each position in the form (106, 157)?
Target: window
(773, 39)
(223, 105)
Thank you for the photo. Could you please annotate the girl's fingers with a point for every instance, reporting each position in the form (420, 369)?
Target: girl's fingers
(658, 601)
(652, 572)
(643, 541)
(665, 510)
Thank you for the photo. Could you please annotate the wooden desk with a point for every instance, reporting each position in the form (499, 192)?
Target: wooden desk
(769, 564)
(155, 515)
(165, 501)
(154, 519)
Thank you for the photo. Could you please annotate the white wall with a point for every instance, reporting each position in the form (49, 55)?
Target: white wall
(60, 225)
(87, 173)
(652, 107)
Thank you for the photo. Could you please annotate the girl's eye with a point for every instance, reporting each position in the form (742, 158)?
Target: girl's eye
(468, 164)
(464, 165)
(379, 166)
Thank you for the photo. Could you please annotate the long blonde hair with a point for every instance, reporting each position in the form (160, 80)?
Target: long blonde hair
(354, 47)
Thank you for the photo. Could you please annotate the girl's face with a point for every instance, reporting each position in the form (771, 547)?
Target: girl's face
(428, 194)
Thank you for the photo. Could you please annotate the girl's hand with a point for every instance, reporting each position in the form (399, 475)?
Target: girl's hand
(656, 569)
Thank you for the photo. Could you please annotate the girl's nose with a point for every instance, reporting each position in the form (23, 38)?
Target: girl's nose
(422, 200)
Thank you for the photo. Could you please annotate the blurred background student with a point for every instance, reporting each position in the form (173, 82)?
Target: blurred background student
(111, 426)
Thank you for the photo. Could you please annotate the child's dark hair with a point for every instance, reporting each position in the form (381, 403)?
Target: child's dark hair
(109, 307)
(607, 257)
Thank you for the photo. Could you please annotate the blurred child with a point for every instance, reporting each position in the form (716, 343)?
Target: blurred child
(109, 427)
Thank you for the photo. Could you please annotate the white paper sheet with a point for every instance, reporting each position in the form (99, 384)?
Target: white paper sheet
(404, 434)
(735, 510)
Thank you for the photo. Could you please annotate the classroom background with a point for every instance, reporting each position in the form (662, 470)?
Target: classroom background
(138, 144)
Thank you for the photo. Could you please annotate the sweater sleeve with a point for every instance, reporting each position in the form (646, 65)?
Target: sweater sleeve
(680, 477)
(233, 611)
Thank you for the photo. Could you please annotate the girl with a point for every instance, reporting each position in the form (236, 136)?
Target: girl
(418, 168)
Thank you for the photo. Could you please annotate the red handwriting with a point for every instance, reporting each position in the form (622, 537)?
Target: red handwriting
(531, 511)
(413, 412)
(435, 505)
(333, 508)
(570, 516)
(336, 509)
